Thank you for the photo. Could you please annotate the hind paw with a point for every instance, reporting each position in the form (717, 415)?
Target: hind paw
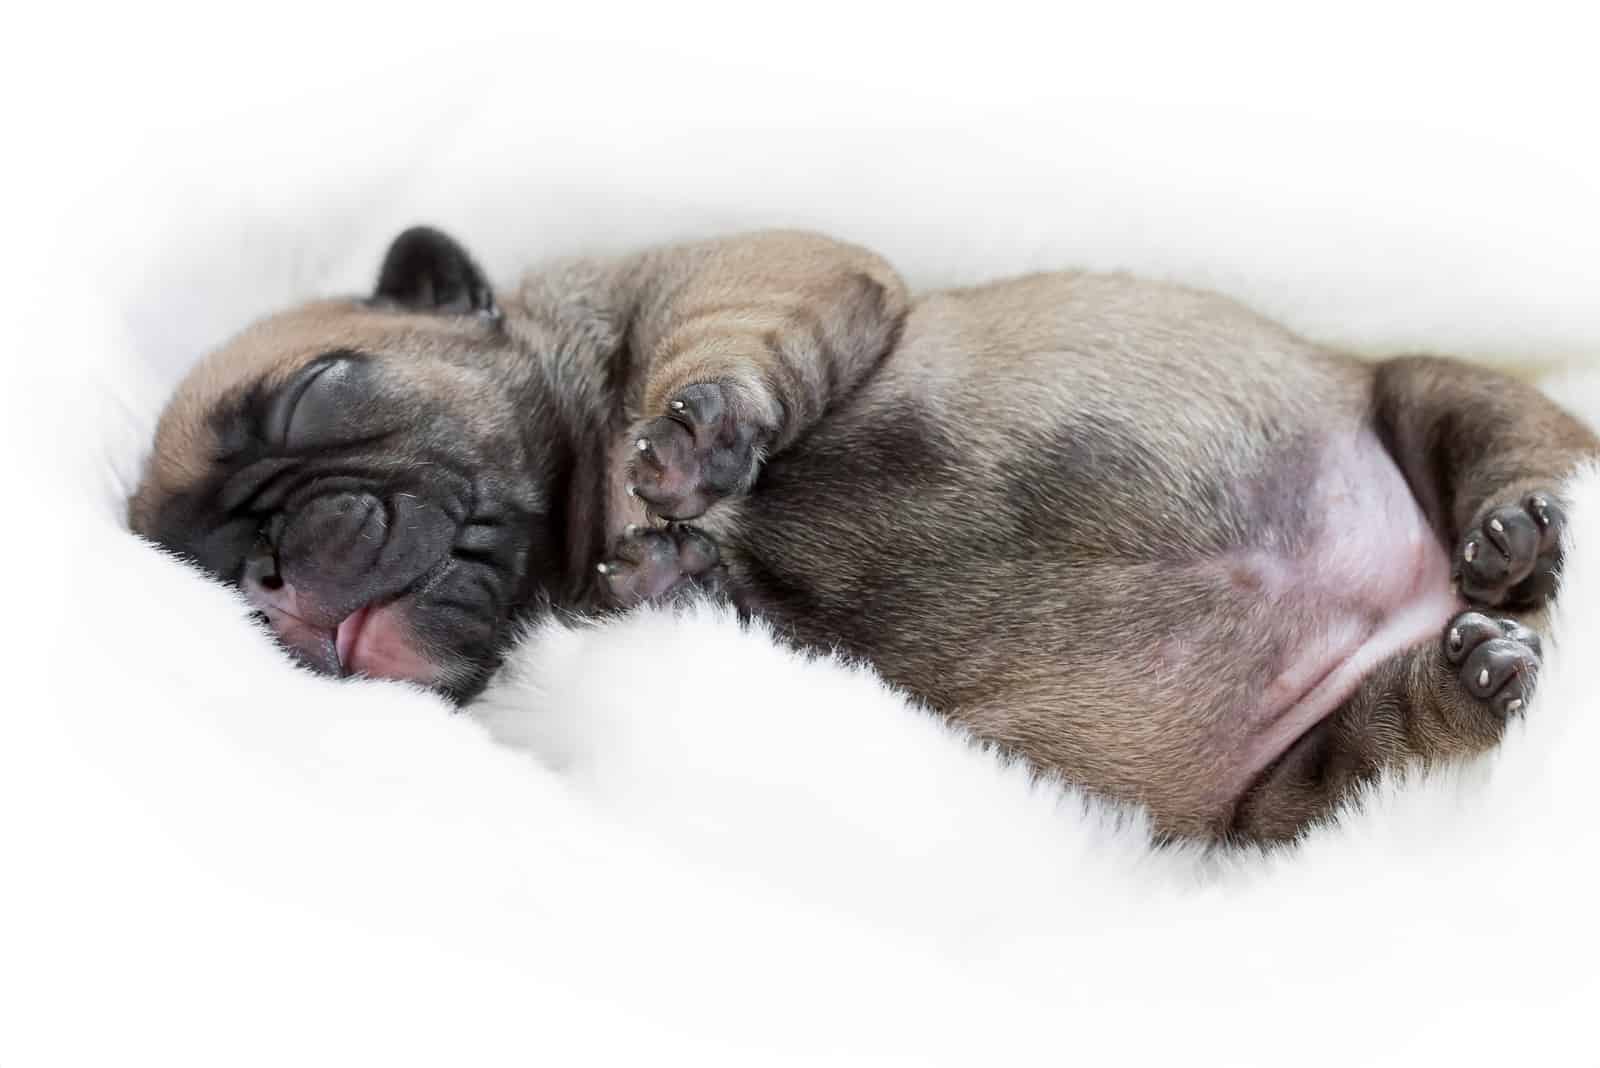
(1512, 554)
(1496, 659)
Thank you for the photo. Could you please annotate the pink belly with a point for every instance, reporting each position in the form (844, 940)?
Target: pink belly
(1370, 583)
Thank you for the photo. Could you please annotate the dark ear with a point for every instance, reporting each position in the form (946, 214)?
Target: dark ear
(426, 270)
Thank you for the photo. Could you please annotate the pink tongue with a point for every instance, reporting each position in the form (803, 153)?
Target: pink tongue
(344, 641)
(377, 642)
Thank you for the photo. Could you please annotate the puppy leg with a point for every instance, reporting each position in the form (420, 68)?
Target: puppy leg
(1441, 701)
(745, 344)
(1484, 454)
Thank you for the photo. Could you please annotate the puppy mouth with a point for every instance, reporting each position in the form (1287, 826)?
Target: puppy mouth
(375, 641)
(347, 634)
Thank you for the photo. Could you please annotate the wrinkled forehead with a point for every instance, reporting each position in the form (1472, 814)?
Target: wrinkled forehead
(264, 358)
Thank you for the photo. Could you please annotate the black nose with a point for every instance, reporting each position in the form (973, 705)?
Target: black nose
(348, 549)
(340, 536)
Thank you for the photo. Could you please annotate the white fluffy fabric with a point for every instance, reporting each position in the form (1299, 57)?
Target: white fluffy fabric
(669, 838)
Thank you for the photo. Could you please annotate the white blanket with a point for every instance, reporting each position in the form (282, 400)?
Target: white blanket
(211, 857)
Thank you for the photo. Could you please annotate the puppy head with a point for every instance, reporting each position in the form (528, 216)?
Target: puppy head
(370, 472)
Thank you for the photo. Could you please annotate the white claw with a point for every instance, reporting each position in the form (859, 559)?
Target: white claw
(1483, 679)
(1455, 637)
(630, 530)
(1497, 526)
(633, 491)
(1514, 705)
(1470, 553)
(603, 568)
(643, 444)
(676, 406)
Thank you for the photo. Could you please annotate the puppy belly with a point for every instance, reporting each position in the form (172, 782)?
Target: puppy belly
(1371, 580)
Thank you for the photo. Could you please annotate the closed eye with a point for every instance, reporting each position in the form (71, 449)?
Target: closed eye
(317, 402)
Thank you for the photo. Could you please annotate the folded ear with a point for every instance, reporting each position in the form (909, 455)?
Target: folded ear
(426, 270)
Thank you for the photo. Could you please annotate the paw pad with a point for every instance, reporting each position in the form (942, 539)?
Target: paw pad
(702, 450)
(648, 563)
(1496, 659)
(1511, 556)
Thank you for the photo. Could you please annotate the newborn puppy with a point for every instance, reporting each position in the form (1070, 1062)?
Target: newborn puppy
(1133, 532)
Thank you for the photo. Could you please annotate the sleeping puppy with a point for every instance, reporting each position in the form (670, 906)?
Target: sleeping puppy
(1132, 532)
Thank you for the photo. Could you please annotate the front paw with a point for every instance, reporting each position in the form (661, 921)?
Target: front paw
(1496, 659)
(1511, 555)
(705, 448)
(651, 563)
